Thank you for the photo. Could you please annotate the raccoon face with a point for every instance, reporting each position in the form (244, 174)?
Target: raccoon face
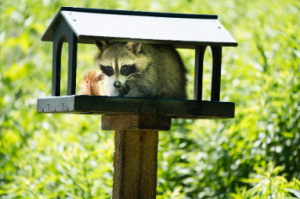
(118, 76)
(119, 62)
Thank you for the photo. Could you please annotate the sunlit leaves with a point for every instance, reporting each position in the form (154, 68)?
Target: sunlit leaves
(68, 156)
(267, 183)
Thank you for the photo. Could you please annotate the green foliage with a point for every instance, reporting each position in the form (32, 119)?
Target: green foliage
(69, 156)
(268, 184)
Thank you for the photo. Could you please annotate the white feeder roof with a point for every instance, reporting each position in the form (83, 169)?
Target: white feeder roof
(181, 30)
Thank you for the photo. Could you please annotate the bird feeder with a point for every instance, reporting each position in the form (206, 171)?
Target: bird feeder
(136, 121)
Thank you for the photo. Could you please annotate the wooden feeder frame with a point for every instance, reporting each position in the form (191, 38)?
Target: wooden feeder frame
(136, 120)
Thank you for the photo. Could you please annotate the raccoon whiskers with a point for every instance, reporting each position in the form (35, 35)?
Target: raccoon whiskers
(133, 76)
(131, 79)
(138, 73)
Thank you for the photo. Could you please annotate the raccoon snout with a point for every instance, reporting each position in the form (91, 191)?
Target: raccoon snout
(117, 84)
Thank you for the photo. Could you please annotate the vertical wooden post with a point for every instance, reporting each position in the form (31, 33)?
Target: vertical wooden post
(216, 73)
(198, 81)
(72, 62)
(135, 164)
(58, 40)
(135, 158)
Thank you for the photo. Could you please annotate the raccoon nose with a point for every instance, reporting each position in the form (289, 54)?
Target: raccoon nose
(117, 84)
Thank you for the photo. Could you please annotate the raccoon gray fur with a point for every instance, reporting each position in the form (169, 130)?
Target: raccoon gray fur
(142, 70)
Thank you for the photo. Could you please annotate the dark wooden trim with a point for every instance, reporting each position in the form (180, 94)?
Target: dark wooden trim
(63, 33)
(198, 81)
(72, 64)
(216, 73)
(56, 63)
(139, 13)
(120, 105)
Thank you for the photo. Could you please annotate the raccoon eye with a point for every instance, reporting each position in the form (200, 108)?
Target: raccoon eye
(128, 69)
(108, 70)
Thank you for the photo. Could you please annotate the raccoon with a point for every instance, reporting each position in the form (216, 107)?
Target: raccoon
(142, 70)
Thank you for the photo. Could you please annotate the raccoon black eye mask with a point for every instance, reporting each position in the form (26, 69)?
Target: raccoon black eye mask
(125, 70)
(128, 69)
(107, 70)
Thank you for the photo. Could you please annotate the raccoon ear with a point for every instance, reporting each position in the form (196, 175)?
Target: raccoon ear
(134, 46)
(101, 44)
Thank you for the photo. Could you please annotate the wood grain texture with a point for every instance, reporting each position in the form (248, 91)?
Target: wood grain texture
(135, 164)
(136, 122)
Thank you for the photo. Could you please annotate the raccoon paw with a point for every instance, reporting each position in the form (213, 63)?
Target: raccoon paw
(90, 83)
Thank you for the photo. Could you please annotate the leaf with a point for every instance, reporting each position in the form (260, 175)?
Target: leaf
(277, 170)
(297, 53)
(295, 192)
(250, 180)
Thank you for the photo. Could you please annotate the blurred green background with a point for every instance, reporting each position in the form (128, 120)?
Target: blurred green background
(255, 155)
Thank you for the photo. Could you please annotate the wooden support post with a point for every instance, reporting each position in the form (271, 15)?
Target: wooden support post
(72, 42)
(198, 83)
(135, 164)
(216, 73)
(56, 65)
(135, 158)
